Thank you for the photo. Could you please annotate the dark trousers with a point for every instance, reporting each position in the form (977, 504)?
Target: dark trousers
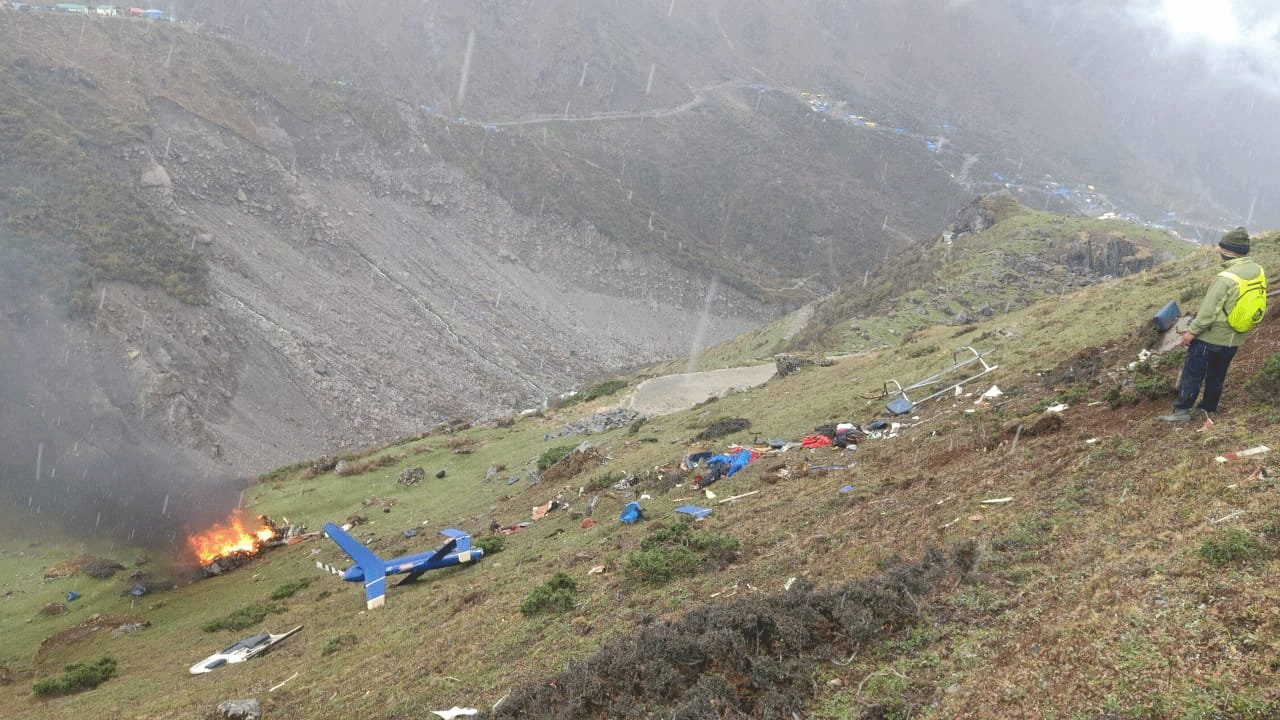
(1205, 364)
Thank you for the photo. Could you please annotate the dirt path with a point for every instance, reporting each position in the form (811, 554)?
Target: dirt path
(672, 393)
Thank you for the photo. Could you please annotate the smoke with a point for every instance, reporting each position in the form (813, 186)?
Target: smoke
(67, 453)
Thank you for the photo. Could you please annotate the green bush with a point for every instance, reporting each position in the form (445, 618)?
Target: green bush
(78, 677)
(290, 589)
(1232, 546)
(552, 596)
(551, 456)
(657, 566)
(676, 551)
(245, 617)
(1266, 384)
(491, 544)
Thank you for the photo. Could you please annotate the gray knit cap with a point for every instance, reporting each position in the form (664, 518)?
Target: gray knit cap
(1235, 242)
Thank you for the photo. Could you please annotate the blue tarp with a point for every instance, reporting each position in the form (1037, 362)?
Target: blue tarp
(731, 462)
(631, 512)
(693, 510)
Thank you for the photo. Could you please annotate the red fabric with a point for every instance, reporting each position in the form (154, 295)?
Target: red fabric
(815, 441)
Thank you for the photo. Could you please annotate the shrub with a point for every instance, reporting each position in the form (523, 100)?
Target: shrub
(78, 677)
(290, 589)
(1266, 384)
(245, 617)
(491, 544)
(1232, 546)
(675, 551)
(722, 427)
(551, 456)
(657, 566)
(552, 596)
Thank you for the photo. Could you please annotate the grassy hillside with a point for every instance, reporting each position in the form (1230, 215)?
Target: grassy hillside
(1127, 575)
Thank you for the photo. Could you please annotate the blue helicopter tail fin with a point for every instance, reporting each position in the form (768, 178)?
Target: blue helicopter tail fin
(464, 540)
(375, 570)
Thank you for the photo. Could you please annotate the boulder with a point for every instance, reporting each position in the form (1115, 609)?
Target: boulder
(248, 709)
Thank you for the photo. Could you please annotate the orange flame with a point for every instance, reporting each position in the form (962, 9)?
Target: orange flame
(222, 540)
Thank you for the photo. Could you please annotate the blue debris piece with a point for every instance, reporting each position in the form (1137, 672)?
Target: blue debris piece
(410, 533)
(846, 488)
(72, 596)
(695, 511)
(631, 513)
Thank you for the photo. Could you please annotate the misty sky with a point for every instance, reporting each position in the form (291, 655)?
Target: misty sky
(1196, 81)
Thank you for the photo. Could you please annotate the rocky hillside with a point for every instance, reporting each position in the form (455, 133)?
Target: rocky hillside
(222, 258)
(224, 262)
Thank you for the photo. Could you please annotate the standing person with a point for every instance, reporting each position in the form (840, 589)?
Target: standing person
(1210, 340)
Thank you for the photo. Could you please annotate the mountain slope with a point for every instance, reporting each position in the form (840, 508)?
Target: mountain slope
(1127, 573)
(254, 265)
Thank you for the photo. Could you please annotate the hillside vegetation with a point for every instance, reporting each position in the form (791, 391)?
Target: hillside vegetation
(979, 560)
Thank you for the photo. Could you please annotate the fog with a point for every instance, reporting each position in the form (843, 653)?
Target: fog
(1192, 85)
(66, 458)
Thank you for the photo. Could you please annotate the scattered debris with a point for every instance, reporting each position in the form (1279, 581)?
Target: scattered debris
(1227, 517)
(541, 511)
(694, 511)
(1256, 450)
(280, 684)
(949, 379)
(739, 496)
(455, 712)
(997, 501)
(241, 650)
(631, 513)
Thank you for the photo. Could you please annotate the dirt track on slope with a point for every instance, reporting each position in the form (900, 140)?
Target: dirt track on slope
(672, 393)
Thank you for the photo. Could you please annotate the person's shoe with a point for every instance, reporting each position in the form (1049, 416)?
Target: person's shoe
(1177, 416)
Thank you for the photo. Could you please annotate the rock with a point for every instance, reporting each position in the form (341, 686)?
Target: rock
(156, 177)
(248, 709)
(412, 476)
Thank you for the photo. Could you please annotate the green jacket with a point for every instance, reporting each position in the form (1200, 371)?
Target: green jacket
(1210, 323)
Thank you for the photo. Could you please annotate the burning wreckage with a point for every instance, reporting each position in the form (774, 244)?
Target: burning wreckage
(222, 548)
